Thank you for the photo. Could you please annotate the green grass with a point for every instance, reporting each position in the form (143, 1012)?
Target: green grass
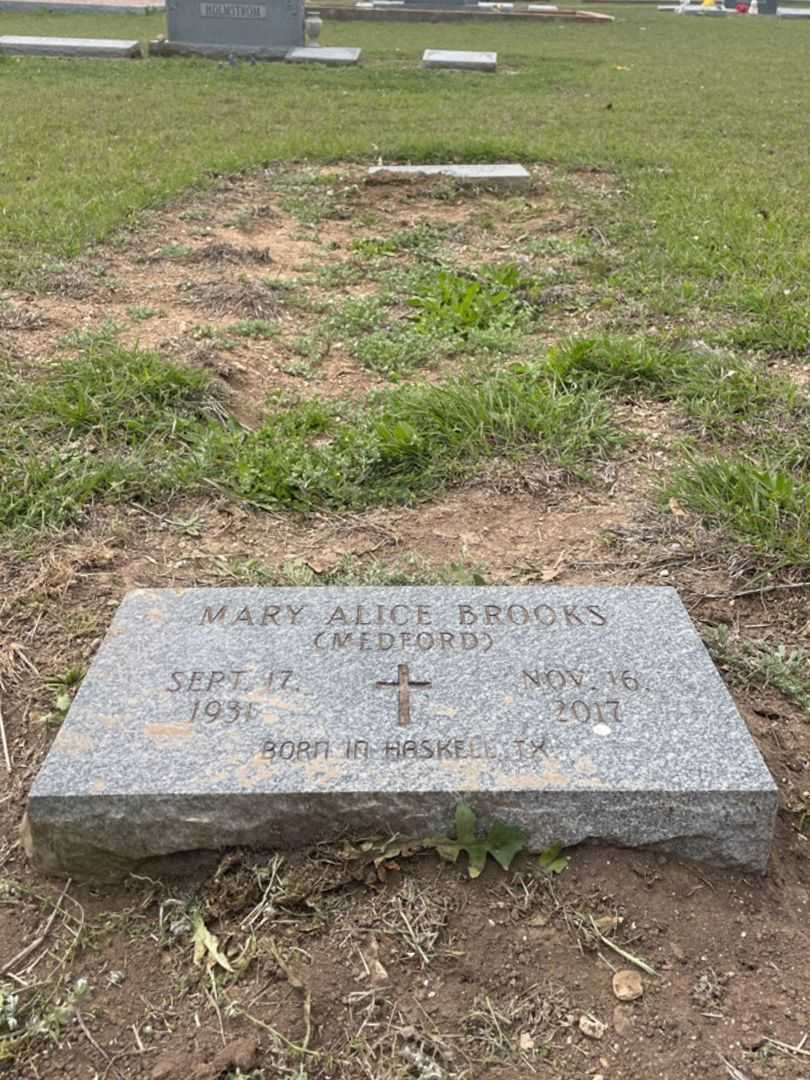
(122, 425)
(709, 210)
(756, 487)
(81, 339)
(254, 328)
(758, 504)
(762, 664)
(729, 398)
(422, 314)
(408, 570)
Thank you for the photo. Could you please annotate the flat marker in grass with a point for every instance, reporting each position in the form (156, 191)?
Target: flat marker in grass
(281, 717)
(320, 54)
(490, 176)
(459, 60)
(111, 48)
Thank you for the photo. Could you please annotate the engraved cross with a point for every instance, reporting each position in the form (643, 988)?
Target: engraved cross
(404, 684)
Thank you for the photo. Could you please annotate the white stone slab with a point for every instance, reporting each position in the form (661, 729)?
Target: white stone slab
(319, 54)
(81, 8)
(793, 13)
(543, 7)
(500, 176)
(460, 60)
(66, 46)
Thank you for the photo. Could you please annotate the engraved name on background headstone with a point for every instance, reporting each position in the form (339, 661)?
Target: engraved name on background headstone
(280, 717)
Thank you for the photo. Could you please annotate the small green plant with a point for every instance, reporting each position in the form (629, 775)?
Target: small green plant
(9, 1003)
(458, 304)
(86, 339)
(422, 238)
(254, 328)
(242, 221)
(48, 1023)
(763, 664)
(63, 688)
(141, 314)
(502, 842)
(552, 860)
(175, 251)
(195, 213)
(215, 335)
(401, 350)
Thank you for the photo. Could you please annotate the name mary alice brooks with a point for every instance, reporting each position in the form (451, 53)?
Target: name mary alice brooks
(398, 615)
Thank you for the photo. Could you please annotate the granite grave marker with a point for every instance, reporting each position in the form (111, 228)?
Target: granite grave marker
(459, 60)
(282, 717)
(111, 48)
(336, 56)
(265, 29)
(490, 176)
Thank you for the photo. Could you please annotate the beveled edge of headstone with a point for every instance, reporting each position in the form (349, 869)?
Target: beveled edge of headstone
(498, 175)
(161, 47)
(460, 59)
(25, 45)
(331, 55)
(104, 838)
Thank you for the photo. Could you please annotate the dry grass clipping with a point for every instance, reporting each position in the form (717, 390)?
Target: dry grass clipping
(253, 299)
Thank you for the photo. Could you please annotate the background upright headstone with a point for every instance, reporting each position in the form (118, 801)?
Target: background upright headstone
(265, 28)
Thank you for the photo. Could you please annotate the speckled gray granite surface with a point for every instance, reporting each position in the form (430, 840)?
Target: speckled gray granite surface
(280, 717)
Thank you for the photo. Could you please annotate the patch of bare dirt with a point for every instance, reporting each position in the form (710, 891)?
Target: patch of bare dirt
(408, 969)
(344, 969)
(225, 256)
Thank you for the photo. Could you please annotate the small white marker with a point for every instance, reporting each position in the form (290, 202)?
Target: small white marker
(602, 729)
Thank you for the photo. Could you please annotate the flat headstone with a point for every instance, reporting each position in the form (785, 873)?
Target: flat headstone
(543, 7)
(283, 717)
(322, 54)
(793, 13)
(102, 7)
(459, 60)
(494, 176)
(65, 46)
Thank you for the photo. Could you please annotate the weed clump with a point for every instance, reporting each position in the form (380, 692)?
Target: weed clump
(763, 506)
(460, 304)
